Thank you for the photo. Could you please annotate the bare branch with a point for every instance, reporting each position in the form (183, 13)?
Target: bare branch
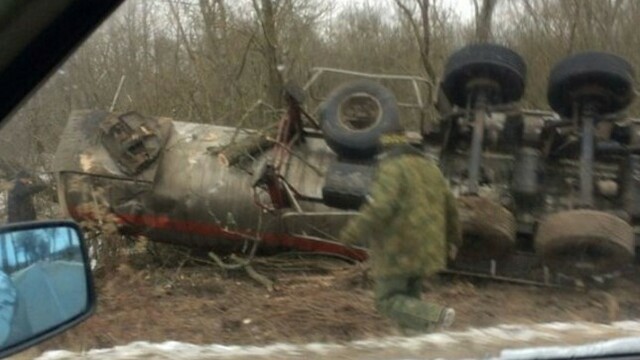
(423, 39)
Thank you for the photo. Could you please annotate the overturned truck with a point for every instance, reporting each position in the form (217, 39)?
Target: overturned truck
(543, 195)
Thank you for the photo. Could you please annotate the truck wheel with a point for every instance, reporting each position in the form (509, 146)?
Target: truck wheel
(355, 115)
(601, 77)
(496, 63)
(585, 242)
(489, 229)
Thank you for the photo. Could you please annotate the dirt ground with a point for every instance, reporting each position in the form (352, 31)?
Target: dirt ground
(314, 300)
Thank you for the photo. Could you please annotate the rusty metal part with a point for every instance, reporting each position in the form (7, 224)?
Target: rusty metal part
(489, 228)
(585, 241)
(269, 181)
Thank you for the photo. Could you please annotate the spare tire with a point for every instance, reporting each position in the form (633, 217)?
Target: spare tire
(606, 78)
(355, 115)
(497, 63)
(580, 242)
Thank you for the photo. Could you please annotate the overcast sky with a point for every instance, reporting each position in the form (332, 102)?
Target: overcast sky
(464, 8)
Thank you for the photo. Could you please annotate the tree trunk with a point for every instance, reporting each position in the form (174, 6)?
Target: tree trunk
(270, 49)
(214, 16)
(426, 39)
(484, 16)
(421, 32)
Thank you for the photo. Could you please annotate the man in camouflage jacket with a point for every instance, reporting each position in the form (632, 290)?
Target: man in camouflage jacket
(410, 224)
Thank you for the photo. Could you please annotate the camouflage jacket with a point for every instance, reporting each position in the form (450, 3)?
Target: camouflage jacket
(409, 220)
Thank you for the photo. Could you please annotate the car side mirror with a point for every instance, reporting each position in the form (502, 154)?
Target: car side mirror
(46, 285)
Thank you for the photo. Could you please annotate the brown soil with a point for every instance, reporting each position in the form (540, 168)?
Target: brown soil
(318, 300)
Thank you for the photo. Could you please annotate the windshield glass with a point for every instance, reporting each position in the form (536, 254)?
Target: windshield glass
(349, 173)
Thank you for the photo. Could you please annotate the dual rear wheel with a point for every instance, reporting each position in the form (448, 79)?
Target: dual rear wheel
(575, 241)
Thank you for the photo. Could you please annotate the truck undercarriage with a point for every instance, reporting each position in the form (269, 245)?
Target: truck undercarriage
(546, 198)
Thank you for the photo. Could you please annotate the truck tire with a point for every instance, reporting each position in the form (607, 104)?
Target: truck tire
(489, 229)
(484, 61)
(355, 115)
(585, 242)
(605, 78)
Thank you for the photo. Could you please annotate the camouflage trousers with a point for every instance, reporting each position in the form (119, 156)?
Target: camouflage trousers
(399, 298)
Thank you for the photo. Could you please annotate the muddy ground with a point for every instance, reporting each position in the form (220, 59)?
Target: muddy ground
(314, 300)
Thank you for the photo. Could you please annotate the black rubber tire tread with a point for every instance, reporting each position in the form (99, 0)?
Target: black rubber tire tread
(358, 144)
(611, 73)
(489, 229)
(496, 62)
(608, 240)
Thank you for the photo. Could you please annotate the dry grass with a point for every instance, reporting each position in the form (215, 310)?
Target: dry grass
(331, 303)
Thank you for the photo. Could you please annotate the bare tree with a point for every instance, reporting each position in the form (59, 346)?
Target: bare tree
(484, 15)
(266, 16)
(214, 16)
(209, 60)
(421, 31)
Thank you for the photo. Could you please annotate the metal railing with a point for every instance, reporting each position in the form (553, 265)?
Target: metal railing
(414, 80)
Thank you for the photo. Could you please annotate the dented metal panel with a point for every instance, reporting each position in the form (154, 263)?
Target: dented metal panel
(306, 170)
